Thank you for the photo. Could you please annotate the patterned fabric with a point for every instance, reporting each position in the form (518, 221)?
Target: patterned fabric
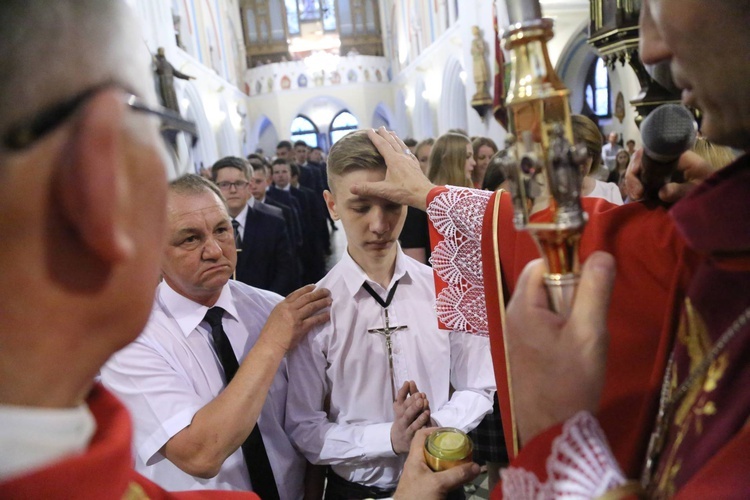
(581, 466)
(456, 215)
(489, 443)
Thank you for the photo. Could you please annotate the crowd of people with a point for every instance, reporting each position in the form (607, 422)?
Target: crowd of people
(156, 337)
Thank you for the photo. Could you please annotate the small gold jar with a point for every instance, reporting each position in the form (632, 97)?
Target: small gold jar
(447, 447)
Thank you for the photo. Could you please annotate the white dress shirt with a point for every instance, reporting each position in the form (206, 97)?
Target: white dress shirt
(31, 437)
(171, 371)
(340, 405)
(607, 190)
(241, 219)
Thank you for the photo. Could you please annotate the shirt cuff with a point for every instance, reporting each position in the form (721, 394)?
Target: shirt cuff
(376, 440)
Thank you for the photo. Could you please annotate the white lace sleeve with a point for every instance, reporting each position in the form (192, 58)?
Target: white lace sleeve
(456, 214)
(580, 466)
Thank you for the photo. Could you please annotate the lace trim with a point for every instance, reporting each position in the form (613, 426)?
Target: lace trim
(580, 466)
(456, 214)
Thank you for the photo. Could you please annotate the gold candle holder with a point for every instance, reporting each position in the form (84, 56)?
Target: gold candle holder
(447, 447)
(541, 144)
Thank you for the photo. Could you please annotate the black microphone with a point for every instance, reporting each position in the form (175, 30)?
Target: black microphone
(667, 132)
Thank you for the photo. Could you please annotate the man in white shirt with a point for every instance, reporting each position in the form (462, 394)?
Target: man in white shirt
(354, 397)
(191, 416)
(609, 157)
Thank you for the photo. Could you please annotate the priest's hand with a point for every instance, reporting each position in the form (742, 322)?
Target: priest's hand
(412, 412)
(404, 181)
(418, 481)
(293, 317)
(557, 365)
(694, 169)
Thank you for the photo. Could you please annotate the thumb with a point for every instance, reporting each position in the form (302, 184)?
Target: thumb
(454, 477)
(594, 292)
(673, 192)
(376, 189)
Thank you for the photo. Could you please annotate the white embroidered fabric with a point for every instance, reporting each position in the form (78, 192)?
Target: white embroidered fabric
(457, 216)
(580, 466)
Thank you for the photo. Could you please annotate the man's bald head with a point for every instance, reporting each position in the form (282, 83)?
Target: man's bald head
(52, 50)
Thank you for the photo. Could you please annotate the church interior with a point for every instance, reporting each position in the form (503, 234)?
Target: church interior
(255, 72)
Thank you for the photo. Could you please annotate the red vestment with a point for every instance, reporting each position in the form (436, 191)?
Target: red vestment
(105, 470)
(656, 268)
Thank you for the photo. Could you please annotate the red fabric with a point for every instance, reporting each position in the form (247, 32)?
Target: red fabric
(700, 257)
(652, 265)
(726, 475)
(105, 471)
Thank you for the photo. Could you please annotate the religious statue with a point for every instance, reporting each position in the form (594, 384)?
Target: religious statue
(481, 98)
(166, 74)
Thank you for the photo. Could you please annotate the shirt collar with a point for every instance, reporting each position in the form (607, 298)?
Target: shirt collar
(251, 202)
(242, 216)
(354, 276)
(189, 314)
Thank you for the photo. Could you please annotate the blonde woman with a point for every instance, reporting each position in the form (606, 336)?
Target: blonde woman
(452, 161)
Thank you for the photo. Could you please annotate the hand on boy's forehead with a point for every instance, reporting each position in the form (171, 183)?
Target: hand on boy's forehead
(345, 181)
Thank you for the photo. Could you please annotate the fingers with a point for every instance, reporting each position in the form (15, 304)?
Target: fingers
(417, 444)
(300, 292)
(402, 393)
(383, 141)
(594, 292)
(412, 386)
(633, 185)
(530, 289)
(454, 477)
(399, 142)
(673, 192)
(419, 422)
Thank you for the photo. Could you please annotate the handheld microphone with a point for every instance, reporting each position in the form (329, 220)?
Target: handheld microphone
(667, 132)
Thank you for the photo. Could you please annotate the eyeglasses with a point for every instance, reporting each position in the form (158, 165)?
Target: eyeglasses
(24, 134)
(226, 186)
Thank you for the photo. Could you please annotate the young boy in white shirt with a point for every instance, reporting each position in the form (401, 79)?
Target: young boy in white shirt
(362, 385)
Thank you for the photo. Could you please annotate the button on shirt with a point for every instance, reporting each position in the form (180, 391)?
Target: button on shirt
(342, 362)
(171, 371)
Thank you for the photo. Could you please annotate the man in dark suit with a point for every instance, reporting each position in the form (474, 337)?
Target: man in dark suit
(311, 177)
(265, 259)
(260, 181)
(311, 255)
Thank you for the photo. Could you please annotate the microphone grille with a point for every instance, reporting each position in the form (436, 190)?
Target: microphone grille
(668, 131)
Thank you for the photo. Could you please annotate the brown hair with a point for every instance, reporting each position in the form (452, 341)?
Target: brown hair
(478, 142)
(354, 151)
(448, 160)
(240, 164)
(587, 133)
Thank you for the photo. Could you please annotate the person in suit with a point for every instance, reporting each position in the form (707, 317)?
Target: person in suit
(316, 202)
(284, 150)
(311, 177)
(313, 266)
(260, 181)
(265, 258)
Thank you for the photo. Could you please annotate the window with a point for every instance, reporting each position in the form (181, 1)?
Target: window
(304, 130)
(310, 11)
(342, 124)
(597, 89)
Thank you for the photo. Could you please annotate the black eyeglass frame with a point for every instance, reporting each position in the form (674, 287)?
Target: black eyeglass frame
(24, 134)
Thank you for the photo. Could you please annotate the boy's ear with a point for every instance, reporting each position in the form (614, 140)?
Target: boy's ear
(89, 186)
(331, 204)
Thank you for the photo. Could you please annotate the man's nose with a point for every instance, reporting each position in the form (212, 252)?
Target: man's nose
(211, 249)
(652, 47)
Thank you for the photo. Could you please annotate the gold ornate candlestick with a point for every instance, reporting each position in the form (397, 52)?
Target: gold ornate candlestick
(540, 143)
